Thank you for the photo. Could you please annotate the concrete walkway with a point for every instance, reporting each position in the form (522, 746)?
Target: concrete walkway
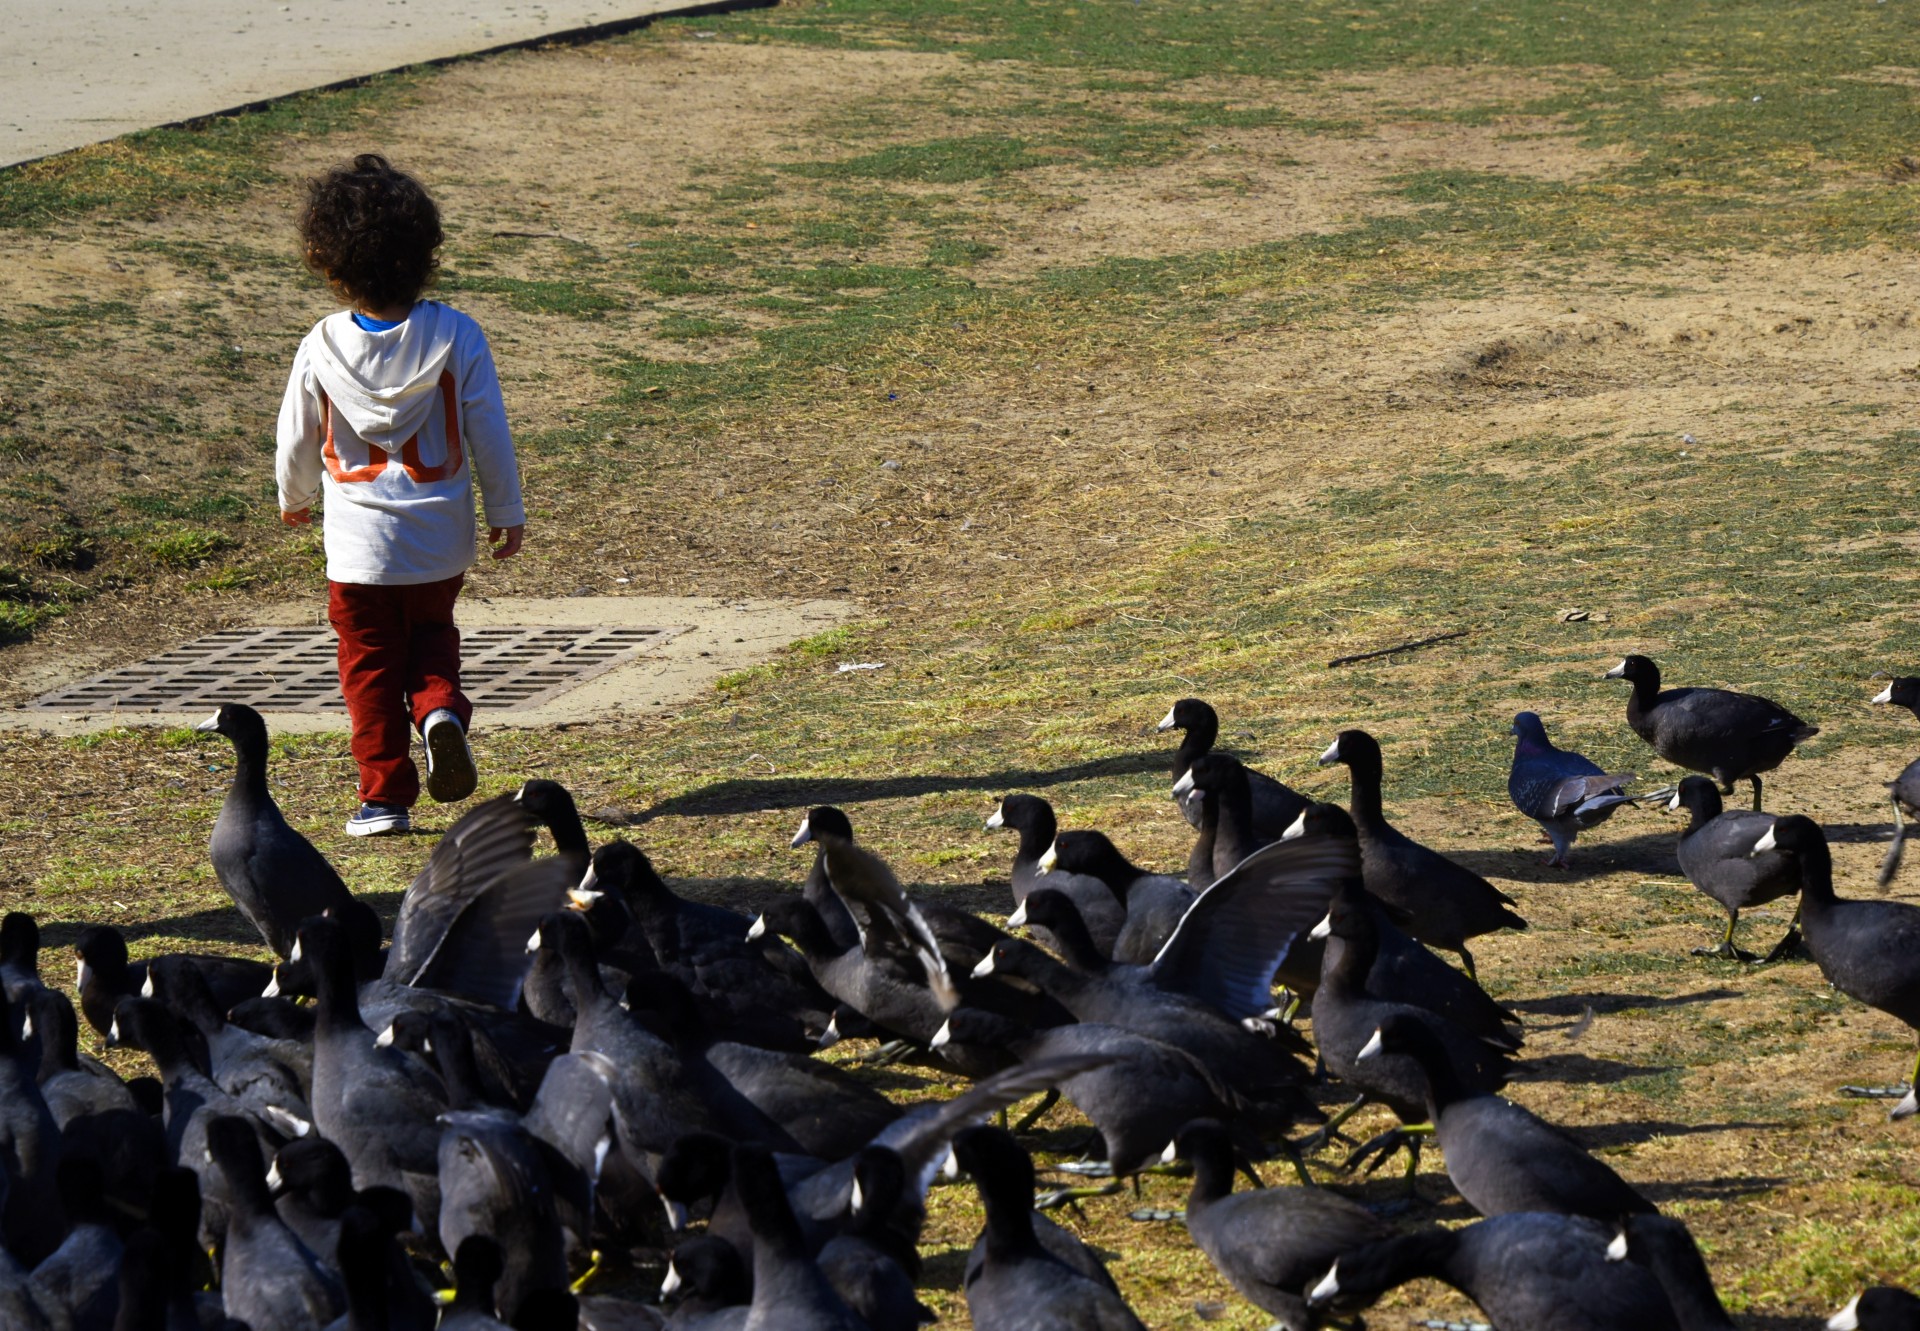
(76, 72)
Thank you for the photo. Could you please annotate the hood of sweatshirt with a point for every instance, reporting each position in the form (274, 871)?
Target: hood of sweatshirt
(385, 383)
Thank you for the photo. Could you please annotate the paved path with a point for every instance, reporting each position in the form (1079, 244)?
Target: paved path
(74, 72)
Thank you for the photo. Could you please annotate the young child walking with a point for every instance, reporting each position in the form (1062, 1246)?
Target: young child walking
(392, 412)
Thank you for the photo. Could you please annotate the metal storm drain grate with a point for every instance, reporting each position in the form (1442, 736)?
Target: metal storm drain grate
(293, 670)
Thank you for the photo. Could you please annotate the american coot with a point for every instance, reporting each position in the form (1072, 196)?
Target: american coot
(71, 1083)
(1543, 1272)
(77, 1283)
(1665, 1247)
(273, 874)
(1271, 1244)
(498, 1180)
(1019, 1283)
(1346, 1014)
(1500, 1156)
(268, 1277)
(29, 1197)
(1441, 903)
(707, 949)
(1563, 791)
(1716, 855)
(19, 955)
(1882, 1308)
(1033, 818)
(1729, 736)
(1153, 902)
(709, 1278)
(1904, 790)
(1403, 969)
(887, 920)
(1221, 781)
(869, 1265)
(790, 1293)
(1143, 1092)
(1869, 950)
(376, 1104)
(1273, 804)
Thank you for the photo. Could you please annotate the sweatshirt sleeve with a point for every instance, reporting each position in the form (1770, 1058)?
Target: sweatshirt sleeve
(296, 462)
(489, 442)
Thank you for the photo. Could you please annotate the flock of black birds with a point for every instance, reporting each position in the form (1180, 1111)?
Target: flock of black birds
(556, 1072)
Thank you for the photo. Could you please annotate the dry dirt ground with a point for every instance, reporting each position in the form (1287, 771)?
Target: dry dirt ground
(1070, 504)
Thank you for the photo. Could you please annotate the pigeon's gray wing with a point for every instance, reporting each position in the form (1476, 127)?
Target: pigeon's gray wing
(1235, 935)
(1574, 791)
(486, 842)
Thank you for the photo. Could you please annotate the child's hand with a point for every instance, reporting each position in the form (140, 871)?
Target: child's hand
(297, 518)
(512, 539)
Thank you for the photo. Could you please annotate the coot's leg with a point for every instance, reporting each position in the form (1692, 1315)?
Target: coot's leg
(1726, 949)
(1756, 792)
(1790, 946)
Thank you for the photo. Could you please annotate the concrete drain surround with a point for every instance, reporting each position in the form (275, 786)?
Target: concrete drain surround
(609, 657)
(292, 669)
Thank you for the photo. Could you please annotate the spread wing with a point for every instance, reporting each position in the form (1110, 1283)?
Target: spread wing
(890, 926)
(483, 954)
(1235, 935)
(476, 850)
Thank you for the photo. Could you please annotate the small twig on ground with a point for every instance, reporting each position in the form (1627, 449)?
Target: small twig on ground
(1398, 647)
(539, 235)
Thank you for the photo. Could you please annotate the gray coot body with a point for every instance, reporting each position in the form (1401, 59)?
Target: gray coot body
(1018, 1284)
(1666, 1248)
(1729, 736)
(706, 948)
(887, 919)
(1273, 804)
(1033, 819)
(273, 874)
(1403, 969)
(1528, 1270)
(377, 1104)
(1501, 1157)
(1154, 903)
(709, 1277)
(1868, 950)
(1442, 903)
(71, 1083)
(1716, 855)
(268, 1277)
(1563, 791)
(1270, 1244)
(1137, 1100)
(790, 1292)
(1220, 780)
(1903, 790)
(1346, 1014)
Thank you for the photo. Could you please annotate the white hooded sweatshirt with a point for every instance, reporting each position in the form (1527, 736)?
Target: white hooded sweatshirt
(394, 427)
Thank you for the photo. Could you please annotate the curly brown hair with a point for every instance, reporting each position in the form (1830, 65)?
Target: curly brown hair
(371, 232)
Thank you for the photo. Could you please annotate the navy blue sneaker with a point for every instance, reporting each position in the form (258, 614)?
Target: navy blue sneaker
(450, 771)
(379, 820)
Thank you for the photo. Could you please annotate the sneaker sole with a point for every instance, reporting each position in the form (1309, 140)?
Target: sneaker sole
(380, 826)
(450, 772)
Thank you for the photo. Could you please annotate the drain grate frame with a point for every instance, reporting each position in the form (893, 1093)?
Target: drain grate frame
(503, 668)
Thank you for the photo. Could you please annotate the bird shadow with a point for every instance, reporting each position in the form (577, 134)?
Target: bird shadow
(1579, 1068)
(1600, 1136)
(1648, 852)
(1727, 1189)
(1576, 1005)
(737, 795)
(215, 925)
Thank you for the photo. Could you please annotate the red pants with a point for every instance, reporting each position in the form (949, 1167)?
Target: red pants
(399, 662)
